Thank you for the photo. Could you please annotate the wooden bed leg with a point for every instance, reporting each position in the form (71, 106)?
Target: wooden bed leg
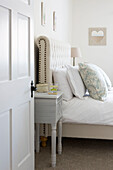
(37, 137)
(43, 141)
(60, 137)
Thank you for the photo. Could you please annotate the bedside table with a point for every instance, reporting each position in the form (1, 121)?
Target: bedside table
(48, 109)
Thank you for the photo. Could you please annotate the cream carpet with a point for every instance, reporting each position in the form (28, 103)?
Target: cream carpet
(78, 154)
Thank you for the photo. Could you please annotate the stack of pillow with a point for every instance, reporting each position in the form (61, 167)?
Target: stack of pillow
(76, 80)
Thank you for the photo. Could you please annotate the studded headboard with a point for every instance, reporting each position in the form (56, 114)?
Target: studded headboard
(52, 54)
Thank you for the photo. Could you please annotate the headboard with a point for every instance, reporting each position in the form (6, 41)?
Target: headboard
(52, 54)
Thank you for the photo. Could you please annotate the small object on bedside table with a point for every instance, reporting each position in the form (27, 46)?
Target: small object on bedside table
(53, 90)
(52, 93)
(48, 110)
(42, 88)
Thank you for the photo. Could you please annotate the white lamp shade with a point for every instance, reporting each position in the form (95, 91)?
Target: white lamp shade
(75, 52)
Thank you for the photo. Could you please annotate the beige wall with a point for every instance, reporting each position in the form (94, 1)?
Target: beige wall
(94, 13)
(63, 10)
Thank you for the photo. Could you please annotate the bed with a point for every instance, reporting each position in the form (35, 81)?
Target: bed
(95, 121)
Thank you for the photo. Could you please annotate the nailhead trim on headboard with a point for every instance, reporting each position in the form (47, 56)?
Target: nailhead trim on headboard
(42, 61)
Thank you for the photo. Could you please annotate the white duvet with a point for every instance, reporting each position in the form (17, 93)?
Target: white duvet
(89, 111)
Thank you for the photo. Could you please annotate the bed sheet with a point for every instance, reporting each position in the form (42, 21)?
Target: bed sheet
(89, 111)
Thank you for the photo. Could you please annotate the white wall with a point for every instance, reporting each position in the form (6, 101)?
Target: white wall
(94, 13)
(63, 10)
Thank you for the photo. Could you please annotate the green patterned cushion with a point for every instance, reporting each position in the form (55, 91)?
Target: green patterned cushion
(94, 81)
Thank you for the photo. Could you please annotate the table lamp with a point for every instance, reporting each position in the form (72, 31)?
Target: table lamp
(75, 52)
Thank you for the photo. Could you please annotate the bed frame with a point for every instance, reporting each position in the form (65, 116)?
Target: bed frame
(54, 54)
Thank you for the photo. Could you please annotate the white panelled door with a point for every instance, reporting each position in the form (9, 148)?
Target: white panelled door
(16, 73)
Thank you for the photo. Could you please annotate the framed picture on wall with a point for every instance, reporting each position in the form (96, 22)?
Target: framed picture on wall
(54, 21)
(43, 15)
(97, 36)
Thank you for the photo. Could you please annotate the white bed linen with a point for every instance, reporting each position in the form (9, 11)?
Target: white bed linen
(89, 111)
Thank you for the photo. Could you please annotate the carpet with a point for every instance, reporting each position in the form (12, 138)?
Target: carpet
(78, 154)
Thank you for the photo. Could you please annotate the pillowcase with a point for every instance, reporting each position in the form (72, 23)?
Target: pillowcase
(106, 78)
(75, 81)
(94, 81)
(60, 78)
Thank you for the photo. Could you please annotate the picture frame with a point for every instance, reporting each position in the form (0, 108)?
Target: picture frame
(54, 21)
(97, 36)
(43, 15)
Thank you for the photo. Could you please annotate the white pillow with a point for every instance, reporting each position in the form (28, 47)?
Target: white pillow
(75, 81)
(60, 78)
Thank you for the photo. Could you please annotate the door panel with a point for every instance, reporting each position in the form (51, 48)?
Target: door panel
(22, 139)
(23, 46)
(5, 140)
(4, 43)
(15, 97)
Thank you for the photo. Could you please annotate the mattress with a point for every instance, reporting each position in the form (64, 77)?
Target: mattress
(89, 111)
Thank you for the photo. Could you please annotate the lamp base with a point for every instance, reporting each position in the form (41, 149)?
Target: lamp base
(73, 61)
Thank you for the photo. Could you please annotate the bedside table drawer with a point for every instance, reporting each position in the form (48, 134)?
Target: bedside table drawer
(45, 102)
(42, 110)
(48, 109)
